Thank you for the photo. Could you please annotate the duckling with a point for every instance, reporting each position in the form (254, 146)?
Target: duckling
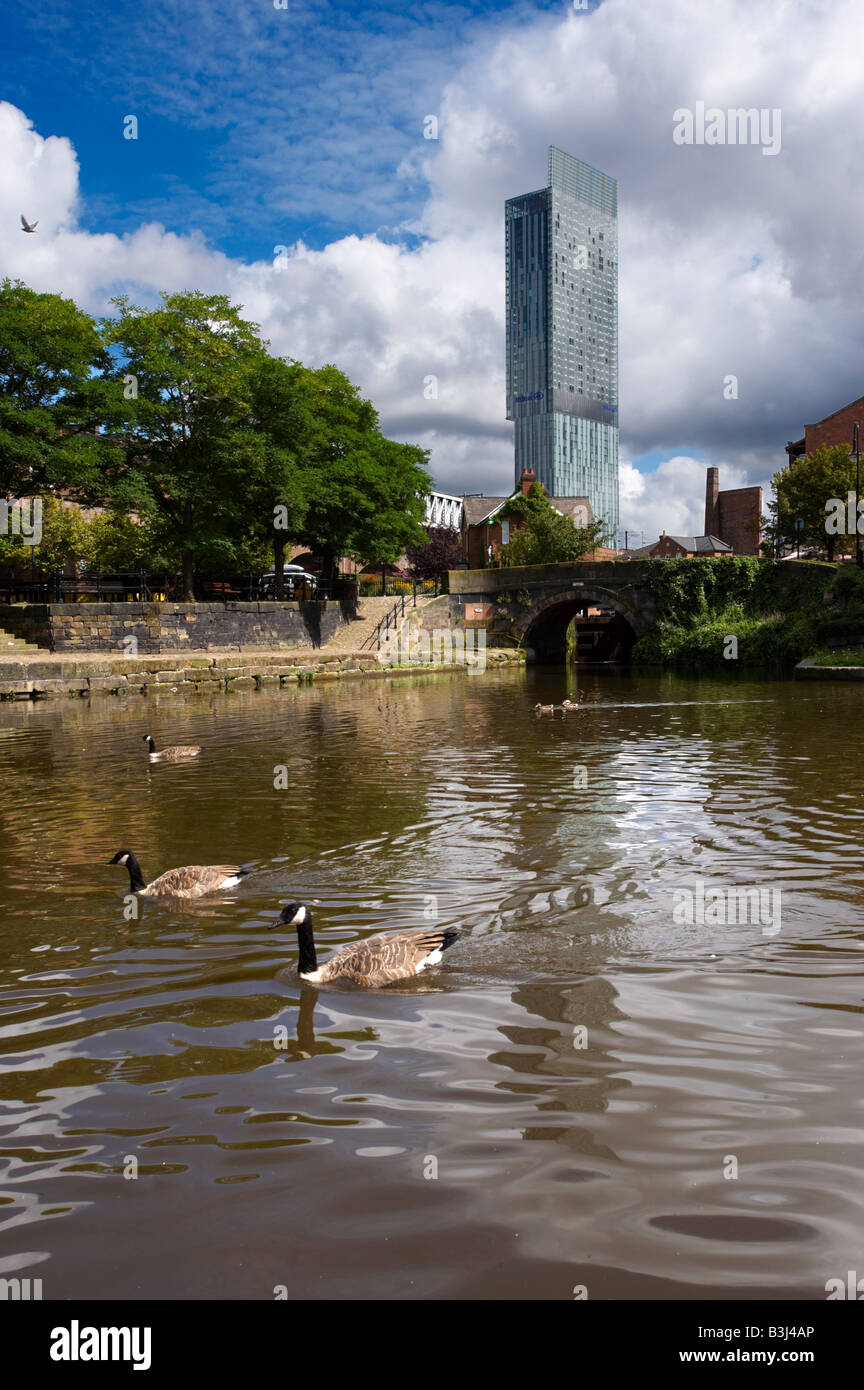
(176, 754)
(569, 704)
(380, 960)
(545, 709)
(190, 882)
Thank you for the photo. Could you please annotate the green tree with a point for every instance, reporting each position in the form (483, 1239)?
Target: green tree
(64, 539)
(51, 357)
(363, 493)
(283, 415)
(545, 536)
(802, 490)
(189, 442)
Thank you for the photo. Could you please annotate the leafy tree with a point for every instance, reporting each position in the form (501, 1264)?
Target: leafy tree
(178, 416)
(189, 444)
(282, 412)
(49, 395)
(802, 490)
(115, 541)
(442, 552)
(64, 539)
(544, 536)
(363, 492)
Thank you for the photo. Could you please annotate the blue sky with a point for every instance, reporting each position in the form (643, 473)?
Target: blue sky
(257, 126)
(302, 128)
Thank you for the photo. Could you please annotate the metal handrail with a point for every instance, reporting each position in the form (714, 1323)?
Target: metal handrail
(390, 618)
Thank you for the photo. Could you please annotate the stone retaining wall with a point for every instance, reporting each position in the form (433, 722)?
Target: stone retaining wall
(38, 679)
(167, 627)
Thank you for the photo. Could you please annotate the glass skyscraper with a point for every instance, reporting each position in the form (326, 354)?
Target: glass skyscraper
(562, 333)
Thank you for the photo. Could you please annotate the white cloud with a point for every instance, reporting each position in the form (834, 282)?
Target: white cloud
(671, 498)
(730, 262)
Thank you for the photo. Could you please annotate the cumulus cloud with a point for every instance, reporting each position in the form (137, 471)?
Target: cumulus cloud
(671, 498)
(732, 264)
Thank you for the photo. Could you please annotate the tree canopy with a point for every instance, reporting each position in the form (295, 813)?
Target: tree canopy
(441, 551)
(545, 536)
(51, 358)
(179, 416)
(802, 491)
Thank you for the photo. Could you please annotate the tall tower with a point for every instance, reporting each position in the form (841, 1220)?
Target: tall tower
(562, 333)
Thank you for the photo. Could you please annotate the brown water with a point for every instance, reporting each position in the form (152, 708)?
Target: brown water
(581, 1071)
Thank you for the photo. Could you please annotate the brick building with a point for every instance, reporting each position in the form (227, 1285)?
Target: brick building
(674, 547)
(834, 429)
(483, 532)
(733, 516)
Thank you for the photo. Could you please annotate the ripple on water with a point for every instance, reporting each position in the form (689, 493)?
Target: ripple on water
(589, 1090)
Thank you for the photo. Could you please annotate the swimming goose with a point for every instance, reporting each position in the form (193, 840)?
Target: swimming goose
(380, 960)
(177, 754)
(190, 882)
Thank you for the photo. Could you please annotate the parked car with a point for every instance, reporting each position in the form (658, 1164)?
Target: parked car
(297, 583)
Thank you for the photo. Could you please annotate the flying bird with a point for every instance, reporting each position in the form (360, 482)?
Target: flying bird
(27, 226)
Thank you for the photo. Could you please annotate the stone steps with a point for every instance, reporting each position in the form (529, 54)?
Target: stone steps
(351, 637)
(10, 645)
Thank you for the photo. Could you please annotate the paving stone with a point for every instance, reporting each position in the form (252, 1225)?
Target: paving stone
(107, 683)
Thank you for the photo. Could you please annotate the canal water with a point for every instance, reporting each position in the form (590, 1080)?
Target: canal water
(627, 1079)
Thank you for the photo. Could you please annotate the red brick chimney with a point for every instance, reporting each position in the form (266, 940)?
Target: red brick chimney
(527, 481)
(712, 502)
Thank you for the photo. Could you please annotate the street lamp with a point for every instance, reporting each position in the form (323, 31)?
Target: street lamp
(799, 527)
(856, 450)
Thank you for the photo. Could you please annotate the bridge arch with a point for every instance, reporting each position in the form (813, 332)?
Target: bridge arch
(543, 626)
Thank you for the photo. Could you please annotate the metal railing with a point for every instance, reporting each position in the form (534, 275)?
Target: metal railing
(390, 619)
(130, 586)
(370, 586)
(393, 615)
(54, 586)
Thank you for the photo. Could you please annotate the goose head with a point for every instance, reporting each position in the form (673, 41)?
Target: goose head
(294, 915)
(122, 857)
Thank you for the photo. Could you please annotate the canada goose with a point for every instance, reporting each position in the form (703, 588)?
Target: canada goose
(177, 754)
(190, 882)
(380, 960)
(545, 709)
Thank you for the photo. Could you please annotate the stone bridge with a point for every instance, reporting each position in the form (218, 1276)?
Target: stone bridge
(532, 607)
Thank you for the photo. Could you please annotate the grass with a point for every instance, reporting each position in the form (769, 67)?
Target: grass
(840, 656)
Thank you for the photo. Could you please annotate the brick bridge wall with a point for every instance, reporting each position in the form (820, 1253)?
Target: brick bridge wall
(172, 627)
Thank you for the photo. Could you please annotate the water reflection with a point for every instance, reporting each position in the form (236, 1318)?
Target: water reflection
(586, 1092)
